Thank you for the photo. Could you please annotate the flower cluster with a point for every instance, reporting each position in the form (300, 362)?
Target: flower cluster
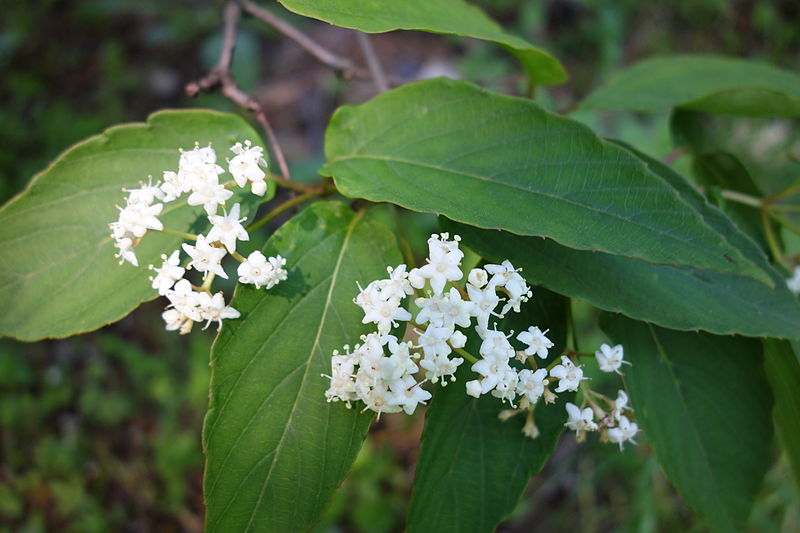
(198, 176)
(387, 374)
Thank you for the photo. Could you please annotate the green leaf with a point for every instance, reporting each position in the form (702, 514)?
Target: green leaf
(704, 405)
(675, 297)
(275, 448)
(442, 16)
(473, 467)
(701, 83)
(494, 161)
(783, 371)
(58, 274)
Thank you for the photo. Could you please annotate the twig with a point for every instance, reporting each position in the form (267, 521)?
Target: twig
(315, 49)
(220, 76)
(288, 204)
(372, 62)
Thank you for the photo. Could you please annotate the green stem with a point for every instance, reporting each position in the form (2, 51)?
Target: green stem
(180, 234)
(294, 185)
(741, 198)
(466, 355)
(771, 240)
(288, 204)
(206, 286)
(239, 257)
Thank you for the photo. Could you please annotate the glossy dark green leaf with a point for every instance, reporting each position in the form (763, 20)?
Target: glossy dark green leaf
(58, 274)
(473, 467)
(704, 404)
(442, 16)
(783, 371)
(275, 448)
(702, 83)
(499, 162)
(675, 297)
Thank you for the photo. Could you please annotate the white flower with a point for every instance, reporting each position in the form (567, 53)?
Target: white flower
(455, 311)
(483, 304)
(205, 258)
(407, 393)
(175, 320)
(245, 166)
(443, 262)
(620, 404)
(261, 271)
(610, 359)
(580, 421)
(434, 341)
(213, 308)
(794, 282)
(624, 432)
(439, 366)
(168, 274)
(173, 185)
(505, 275)
(537, 342)
(209, 193)
(137, 218)
(146, 194)
(228, 228)
(478, 277)
(495, 345)
(494, 372)
(185, 300)
(568, 375)
(125, 253)
(531, 384)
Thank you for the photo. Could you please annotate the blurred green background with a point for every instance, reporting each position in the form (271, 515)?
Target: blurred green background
(101, 432)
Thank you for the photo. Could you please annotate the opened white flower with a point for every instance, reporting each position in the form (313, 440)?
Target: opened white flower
(624, 432)
(213, 309)
(168, 274)
(228, 228)
(205, 258)
(244, 166)
(531, 384)
(209, 193)
(580, 421)
(610, 359)
(568, 375)
(537, 342)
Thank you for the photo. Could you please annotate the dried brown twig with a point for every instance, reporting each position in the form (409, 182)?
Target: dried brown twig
(220, 76)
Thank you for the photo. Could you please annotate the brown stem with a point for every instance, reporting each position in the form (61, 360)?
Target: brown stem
(372, 62)
(323, 54)
(220, 76)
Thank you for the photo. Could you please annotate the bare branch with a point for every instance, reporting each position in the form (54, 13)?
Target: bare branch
(372, 62)
(220, 76)
(315, 49)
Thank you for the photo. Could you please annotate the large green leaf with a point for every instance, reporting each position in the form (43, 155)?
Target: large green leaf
(675, 297)
(58, 274)
(704, 405)
(275, 448)
(702, 83)
(783, 371)
(442, 16)
(473, 467)
(494, 161)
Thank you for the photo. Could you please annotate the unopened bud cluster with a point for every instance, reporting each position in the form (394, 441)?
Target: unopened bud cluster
(198, 176)
(387, 373)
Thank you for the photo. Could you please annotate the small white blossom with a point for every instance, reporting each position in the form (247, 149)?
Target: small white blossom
(443, 263)
(457, 340)
(580, 421)
(205, 258)
(474, 388)
(168, 274)
(568, 375)
(209, 193)
(185, 300)
(262, 271)
(478, 277)
(537, 342)
(625, 431)
(244, 166)
(610, 359)
(213, 309)
(531, 384)
(177, 321)
(620, 405)
(228, 228)
(505, 275)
